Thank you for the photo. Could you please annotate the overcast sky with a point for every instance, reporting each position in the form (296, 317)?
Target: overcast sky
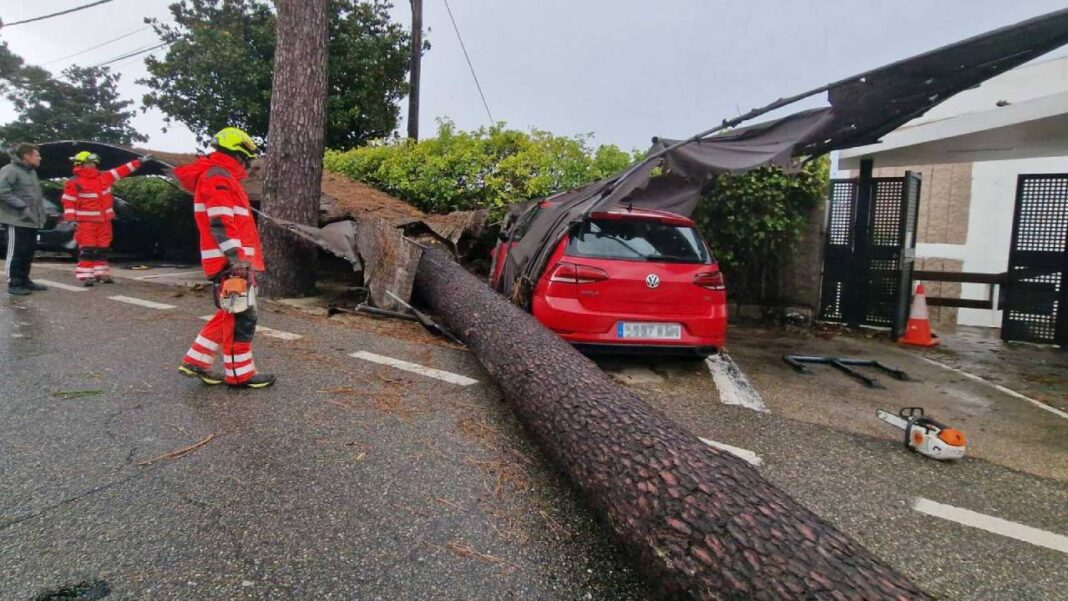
(623, 70)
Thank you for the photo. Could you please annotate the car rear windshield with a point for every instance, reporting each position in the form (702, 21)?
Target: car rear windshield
(636, 240)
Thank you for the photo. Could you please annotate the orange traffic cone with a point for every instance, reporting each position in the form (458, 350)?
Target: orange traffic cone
(918, 332)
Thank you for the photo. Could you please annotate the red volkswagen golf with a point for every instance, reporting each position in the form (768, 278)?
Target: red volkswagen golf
(634, 280)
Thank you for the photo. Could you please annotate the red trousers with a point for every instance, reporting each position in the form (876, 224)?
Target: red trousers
(230, 333)
(93, 239)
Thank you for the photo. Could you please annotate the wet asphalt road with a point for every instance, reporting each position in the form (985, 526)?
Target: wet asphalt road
(345, 481)
(356, 481)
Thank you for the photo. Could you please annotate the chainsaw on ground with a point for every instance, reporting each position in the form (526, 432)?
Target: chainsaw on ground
(925, 435)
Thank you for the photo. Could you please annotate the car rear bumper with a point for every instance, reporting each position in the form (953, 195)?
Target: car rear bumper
(646, 350)
(703, 334)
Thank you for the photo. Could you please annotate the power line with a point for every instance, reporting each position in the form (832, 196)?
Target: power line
(131, 54)
(64, 12)
(80, 52)
(128, 60)
(25, 83)
(469, 65)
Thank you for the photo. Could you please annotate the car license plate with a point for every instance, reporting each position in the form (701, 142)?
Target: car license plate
(649, 331)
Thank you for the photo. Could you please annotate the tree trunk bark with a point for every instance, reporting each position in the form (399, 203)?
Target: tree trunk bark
(701, 522)
(294, 165)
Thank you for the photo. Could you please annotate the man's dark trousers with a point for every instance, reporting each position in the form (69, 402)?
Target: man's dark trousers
(21, 244)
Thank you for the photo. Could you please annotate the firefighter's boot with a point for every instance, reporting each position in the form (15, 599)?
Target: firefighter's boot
(195, 371)
(256, 381)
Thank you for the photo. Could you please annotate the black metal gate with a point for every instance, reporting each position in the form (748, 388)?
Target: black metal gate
(870, 251)
(1036, 294)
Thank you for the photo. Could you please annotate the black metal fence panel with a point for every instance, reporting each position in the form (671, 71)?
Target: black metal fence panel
(1036, 294)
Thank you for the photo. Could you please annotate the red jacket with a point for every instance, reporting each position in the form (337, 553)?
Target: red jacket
(87, 196)
(222, 212)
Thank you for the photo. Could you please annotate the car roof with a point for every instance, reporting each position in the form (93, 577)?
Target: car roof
(638, 214)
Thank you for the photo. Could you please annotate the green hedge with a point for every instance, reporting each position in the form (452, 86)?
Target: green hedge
(488, 168)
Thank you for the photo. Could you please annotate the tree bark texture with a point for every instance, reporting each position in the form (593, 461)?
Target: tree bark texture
(294, 165)
(701, 522)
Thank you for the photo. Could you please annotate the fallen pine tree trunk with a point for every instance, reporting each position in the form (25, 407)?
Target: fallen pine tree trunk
(701, 522)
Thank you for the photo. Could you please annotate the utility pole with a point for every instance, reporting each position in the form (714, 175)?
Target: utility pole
(417, 57)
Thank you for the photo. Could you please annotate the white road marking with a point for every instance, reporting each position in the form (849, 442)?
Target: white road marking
(140, 302)
(277, 333)
(266, 331)
(156, 276)
(1021, 532)
(734, 388)
(415, 368)
(1001, 388)
(62, 286)
(739, 452)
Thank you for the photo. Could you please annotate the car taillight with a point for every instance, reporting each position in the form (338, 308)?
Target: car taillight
(570, 273)
(711, 280)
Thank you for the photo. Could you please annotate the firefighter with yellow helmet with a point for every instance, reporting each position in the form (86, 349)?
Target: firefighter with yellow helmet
(88, 203)
(231, 256)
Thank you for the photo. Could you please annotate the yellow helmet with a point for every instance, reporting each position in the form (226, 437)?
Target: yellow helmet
(85, 157)
(232, 138)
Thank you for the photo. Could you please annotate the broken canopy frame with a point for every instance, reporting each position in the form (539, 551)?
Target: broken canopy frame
(863, 108)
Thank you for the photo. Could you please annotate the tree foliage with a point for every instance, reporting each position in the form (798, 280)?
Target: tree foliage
(754, 221)
(219, 63)
(487, 168)
(86, 106)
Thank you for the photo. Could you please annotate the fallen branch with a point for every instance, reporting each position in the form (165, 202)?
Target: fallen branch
(178, 453)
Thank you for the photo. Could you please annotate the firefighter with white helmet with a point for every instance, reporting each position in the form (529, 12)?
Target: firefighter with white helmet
(231, 256)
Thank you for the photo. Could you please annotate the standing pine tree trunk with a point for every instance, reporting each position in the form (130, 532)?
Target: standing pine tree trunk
(294, 167)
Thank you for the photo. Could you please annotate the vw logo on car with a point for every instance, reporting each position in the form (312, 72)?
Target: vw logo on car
(652, 280)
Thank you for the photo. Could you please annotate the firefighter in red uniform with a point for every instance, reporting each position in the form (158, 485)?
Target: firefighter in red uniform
(88, 203)
(231, 256)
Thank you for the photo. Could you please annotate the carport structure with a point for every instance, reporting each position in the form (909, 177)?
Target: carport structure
(985, 127)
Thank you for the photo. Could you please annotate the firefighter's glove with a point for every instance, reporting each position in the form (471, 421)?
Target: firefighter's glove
(238, 268)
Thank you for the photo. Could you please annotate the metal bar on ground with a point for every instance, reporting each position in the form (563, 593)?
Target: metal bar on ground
(842, 367)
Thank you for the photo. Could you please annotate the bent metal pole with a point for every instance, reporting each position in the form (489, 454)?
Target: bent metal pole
(701, 523)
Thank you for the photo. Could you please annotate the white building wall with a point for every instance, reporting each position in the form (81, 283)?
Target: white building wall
(990, 228)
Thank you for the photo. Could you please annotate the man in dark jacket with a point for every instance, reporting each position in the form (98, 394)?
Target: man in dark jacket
(22, 211)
